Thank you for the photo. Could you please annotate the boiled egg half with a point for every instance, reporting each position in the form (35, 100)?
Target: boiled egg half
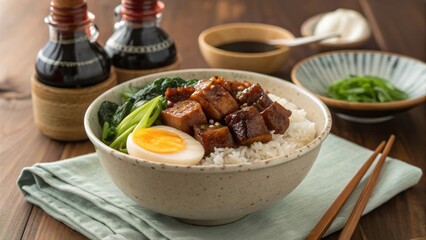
(165, 144)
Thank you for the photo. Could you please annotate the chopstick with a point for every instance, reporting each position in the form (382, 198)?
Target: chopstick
(337, 205)
(332, 212)
(350, 226)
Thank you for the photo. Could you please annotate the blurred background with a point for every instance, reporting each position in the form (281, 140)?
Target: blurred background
(23, 32)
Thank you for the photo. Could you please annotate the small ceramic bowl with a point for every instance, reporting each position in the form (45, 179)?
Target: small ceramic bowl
(264, 62)
(307, 30)
(316, 73)
(211, 194)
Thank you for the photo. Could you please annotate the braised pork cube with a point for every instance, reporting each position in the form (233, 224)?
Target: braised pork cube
(179, 94)
(211, 136)
(184, 115)
(254, 95)
(247, 126)
(263, 102)
(215, 101)
(276, 118)
(232, 87)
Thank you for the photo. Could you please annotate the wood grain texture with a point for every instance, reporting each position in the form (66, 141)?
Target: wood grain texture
(391, 29)
(21, 145)
(399, 26)
(40, 224)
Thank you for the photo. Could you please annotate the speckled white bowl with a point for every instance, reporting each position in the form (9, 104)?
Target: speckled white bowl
(211, 195)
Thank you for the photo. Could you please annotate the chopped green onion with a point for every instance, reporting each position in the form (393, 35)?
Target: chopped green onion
(364, 89)
(142, 117)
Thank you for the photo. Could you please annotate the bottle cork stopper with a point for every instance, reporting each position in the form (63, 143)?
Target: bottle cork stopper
(67, 3)
(68, 15)
(136, 10)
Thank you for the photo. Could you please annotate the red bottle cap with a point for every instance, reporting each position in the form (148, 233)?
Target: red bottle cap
(69, 15)
(137, 10)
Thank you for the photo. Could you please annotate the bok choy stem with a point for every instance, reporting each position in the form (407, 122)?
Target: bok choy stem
(142, 117)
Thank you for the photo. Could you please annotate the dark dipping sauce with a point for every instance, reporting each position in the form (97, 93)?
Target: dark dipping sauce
(247, 47)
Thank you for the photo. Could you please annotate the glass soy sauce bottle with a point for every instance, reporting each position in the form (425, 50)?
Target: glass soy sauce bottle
(138, 42)
(72, 58)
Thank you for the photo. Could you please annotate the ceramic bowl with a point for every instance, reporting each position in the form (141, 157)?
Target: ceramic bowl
(307, 30)
(316, 73)
(214, 194)
(264, 62)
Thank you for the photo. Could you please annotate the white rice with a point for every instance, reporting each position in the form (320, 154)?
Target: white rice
(300, 132)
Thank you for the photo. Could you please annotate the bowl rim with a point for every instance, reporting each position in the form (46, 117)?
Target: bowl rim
(306, 31)
(394, 105)
(322, 135)
(217, 28)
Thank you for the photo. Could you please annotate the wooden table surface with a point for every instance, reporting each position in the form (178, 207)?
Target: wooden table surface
(398, 26)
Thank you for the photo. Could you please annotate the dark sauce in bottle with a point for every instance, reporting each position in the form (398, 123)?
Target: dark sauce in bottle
(71, 58)
(140, 48)
(71, 63)
(247, 47)
(138, 42)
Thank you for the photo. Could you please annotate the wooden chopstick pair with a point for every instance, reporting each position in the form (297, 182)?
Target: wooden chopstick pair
(352, 222)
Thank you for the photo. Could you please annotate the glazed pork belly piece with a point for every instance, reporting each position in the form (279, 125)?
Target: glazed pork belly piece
(214, 135)
(179, 94)
(184, 115)
(231, 87)
(215, 101)
(254, 96)
(276, 118)
(247, 126)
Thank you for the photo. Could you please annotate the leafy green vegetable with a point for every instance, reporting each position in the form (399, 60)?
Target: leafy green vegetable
(159, 86)
(364, 89)
(106, 112)
(123, 111)
(140, 109)
(128, 93)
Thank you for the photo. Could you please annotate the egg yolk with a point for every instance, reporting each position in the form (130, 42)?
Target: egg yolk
(158, 141)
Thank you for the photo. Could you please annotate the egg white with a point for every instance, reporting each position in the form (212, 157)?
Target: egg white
(192, 153)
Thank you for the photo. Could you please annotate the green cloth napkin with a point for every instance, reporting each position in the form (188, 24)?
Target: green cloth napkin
(79, 193)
